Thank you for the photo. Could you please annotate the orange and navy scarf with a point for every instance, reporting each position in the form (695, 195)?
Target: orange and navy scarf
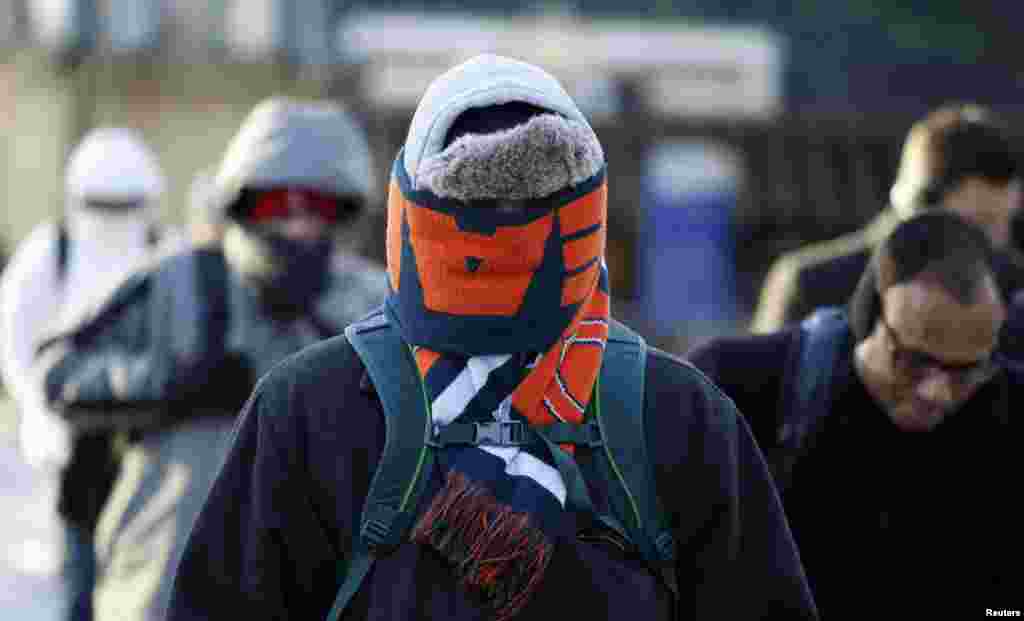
(507, 312)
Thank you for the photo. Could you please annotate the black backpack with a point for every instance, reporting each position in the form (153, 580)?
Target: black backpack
(614, 422)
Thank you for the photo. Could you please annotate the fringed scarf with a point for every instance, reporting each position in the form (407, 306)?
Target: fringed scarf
(506, 307)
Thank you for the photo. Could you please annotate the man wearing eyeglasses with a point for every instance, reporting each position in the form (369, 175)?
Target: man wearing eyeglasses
(170, 359)
(898, 483)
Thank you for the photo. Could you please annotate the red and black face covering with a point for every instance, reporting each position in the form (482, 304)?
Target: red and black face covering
(294, 271)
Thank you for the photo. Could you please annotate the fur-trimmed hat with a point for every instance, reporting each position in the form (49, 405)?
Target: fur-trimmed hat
(547, 152)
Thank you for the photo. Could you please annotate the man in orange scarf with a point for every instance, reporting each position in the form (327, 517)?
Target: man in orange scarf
(497, 220)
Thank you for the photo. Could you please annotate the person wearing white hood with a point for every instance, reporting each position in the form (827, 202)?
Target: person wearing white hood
(109, 229)
(170, 358)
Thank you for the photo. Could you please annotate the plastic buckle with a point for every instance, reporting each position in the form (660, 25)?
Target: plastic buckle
(502, 433)
(378, 526)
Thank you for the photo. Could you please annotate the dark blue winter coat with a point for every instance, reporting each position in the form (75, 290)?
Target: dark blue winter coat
(277, 526)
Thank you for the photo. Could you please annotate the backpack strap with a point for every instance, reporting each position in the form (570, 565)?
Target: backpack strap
(823, 338)
(62, 250)
(394, 493)
(619, 411)
(154, 235)
(212, 279)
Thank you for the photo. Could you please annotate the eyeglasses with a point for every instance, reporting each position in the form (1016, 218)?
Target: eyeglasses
(918, 364)
(280, 204)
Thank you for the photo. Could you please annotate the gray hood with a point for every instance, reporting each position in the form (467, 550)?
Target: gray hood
(314, 144)
(484, 80)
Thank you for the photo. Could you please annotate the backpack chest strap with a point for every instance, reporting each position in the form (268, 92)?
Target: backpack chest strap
(515, 433)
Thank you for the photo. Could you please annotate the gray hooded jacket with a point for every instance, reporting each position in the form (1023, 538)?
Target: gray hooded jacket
(189, 336)
(287, 142)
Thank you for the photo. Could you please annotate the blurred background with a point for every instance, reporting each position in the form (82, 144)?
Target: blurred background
(734, 130)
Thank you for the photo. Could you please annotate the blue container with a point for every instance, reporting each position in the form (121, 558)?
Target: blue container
(686, 248)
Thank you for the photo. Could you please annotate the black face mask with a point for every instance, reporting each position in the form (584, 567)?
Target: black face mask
(299, 274)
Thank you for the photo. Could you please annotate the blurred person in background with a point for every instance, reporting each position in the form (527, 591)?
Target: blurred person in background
(498, 320)
(959, 158)
(169, 360)
(57, 275)
(893, 430)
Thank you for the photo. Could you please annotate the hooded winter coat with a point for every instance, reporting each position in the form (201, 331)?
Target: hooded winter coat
(56, 276)
(273, 539)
